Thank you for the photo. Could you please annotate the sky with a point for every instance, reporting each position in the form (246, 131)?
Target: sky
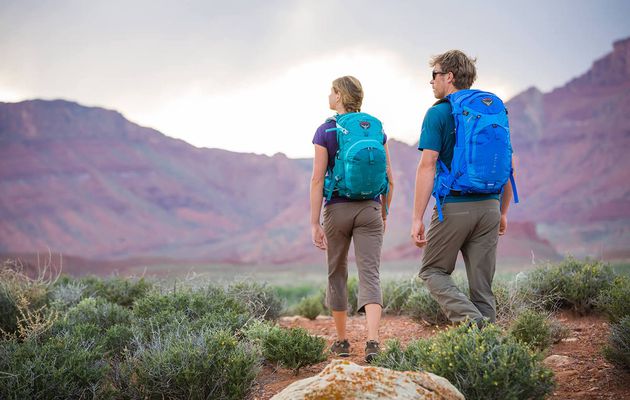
(254, 76)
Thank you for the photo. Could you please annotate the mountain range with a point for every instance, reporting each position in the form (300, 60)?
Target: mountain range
(85, 181)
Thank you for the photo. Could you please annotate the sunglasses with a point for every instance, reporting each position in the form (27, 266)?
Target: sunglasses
(436, 73)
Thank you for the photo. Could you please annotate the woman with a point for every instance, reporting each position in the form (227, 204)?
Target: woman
(344, 220)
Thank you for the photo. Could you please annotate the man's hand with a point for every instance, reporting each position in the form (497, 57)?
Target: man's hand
(319, 237)
(384, 224)
(503, 225)
(417, 234)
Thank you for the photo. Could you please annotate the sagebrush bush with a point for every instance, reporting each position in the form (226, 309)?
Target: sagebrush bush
(291, 295)
(293, 348)
(256, 331)
(353, 295)
(261, 299)
(191, 365)
(482, 364)
(572, 284)
(420, 305)
(98, 312)
(310, 307)
(209, 308)
(615, 300)
(67, 293)
(558, 330)
(533, 328)
(119, 290)
(56, 369)
(617, 351)
(511, 300)
(396, 293)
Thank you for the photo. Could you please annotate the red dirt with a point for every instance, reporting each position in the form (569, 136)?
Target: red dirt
(589, 376)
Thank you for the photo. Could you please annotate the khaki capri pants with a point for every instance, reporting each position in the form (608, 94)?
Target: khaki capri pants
(362, 223)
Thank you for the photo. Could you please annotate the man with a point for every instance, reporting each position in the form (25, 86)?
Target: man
(472, 223)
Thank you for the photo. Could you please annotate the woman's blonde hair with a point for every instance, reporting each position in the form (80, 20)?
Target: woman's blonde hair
(351, 92)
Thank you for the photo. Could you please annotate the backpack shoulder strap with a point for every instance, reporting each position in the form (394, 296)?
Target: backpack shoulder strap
(442, 100)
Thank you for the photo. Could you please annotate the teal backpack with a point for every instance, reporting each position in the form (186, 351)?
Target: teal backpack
(360, 171)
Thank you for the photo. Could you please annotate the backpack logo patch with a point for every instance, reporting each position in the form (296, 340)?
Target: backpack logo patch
(487, 101)
(364, 124)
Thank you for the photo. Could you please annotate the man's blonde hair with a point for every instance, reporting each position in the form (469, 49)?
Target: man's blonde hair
(351, 92)
(462, 67)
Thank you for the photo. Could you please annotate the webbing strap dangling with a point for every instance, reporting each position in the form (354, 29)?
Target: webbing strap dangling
(514, 187)
(438, 205)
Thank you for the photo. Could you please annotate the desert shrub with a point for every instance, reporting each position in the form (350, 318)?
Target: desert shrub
(310, 307)
(482, 364)
(570, 284)
(617, 351)
(256, 331)
(209, 308)
(293, 348)
(261, 300)
(291, 295)
(23, 302)
(98, 312)
(353, 295)
(558, 330)
(97, 322)
(511, 300)
(396, 293)
(532, 328)
(420, 305)
(119, 290)
(66, 294)
(56, 369)
(184, 364)
(615, 300)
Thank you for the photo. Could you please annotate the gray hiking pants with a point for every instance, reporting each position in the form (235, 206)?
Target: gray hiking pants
(473, 229)
(361, 222)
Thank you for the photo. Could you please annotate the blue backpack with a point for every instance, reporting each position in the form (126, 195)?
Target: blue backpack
(360, 170)
(482, 157)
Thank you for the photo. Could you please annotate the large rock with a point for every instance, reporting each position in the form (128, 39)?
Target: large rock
(345, 380)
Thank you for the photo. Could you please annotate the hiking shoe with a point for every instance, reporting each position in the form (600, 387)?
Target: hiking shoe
(341, 348)
(371, 350)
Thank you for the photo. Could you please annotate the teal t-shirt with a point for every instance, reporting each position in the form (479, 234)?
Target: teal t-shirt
(438, 134)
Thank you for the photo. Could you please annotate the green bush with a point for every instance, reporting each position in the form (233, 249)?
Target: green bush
(182, 364)
(396, 293)
(571, 284)
(617, 351)
(615, 301)
(558, 330)
(56, 369)
(293, 348)
(353, 295)
(261, 300)
(98, 312)
(256, 331)
(511, 300)
(291, 295)
(210, 308)
(67, 293)
(482, 364)
(122, 291)
(97, 322)
(310, 307)
(532, 328)
(422, 306)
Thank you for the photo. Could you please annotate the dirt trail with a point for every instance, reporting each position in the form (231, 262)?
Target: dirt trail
(588, 376)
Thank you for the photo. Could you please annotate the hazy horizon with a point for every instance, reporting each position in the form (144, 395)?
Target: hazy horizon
(254, 77)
